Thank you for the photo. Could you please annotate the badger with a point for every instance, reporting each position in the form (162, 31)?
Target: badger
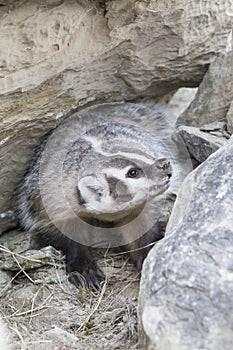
(102, 179)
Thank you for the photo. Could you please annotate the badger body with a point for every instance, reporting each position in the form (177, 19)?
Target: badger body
(100, 179)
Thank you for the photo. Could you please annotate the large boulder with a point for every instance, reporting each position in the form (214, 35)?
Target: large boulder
(57, 56)
(214, 95)
(186, 292)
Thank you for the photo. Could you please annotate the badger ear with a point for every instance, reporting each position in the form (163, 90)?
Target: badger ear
(89, 189)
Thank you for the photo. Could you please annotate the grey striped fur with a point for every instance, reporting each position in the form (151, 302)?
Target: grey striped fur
(81, 170)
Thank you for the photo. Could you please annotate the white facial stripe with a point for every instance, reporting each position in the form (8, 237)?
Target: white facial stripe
(96, 144)
(94, 141)
(116, 172)
(135, 157)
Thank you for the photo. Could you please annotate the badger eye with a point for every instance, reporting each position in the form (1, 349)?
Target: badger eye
(133, 172)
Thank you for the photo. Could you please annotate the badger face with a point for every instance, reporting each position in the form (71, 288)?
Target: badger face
(122, 186)
(117, 170)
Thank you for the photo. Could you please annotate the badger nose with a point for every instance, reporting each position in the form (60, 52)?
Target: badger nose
(165, 165)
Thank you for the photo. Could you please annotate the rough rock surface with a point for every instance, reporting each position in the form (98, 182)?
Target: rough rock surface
(57, 56)
(230, 119)
(214, 94)
(186, 296)
(199, 143)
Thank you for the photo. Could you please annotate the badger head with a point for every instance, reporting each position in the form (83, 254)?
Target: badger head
(119, 173)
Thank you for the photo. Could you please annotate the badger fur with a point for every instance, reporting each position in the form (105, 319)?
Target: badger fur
(100, 179)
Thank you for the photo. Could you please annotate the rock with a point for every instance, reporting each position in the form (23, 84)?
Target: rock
(215, 127)
(200, 144)
(186, 292)
(214, 94)
(5, 282)
(7, 219)
(26, 295)
(90, 52)
(20, 243)
(181, 100)
(4, 336)
(32, 259)
(14, 240)
(17, 241)
(230, 119)
(59, 335)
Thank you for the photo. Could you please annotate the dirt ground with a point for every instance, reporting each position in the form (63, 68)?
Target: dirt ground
(44, 311)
